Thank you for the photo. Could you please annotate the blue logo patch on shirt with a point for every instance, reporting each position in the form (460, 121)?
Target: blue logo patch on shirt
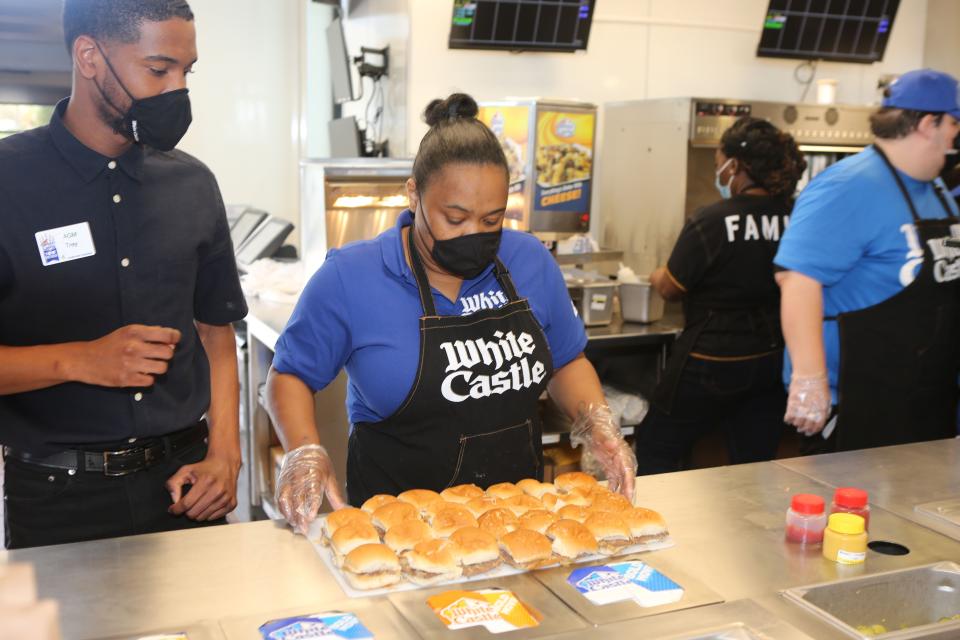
(490, 300)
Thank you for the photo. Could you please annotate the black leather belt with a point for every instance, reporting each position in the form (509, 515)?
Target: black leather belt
(118, 460)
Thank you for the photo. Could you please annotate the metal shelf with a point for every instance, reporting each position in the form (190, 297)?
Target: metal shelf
(588, 258)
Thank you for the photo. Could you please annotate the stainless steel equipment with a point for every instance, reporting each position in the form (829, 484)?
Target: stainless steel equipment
(657, 165)
(549, 146)
(347, 200)
(639, 302)
(592, 296)
(920, 602)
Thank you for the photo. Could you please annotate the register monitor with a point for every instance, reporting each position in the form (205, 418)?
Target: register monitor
(263, 242)
(244, 225)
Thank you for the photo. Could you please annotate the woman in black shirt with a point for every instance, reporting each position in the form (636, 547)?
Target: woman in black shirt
(725, 369)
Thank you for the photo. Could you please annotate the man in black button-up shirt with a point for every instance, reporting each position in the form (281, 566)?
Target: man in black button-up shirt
(118, 285)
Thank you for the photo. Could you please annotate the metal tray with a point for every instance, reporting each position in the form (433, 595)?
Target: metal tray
(695, 594)
(907, 602)
(737, 620)
(730, 632)
(208, 630)
(376, 614)
(555, 616)
(947, 511)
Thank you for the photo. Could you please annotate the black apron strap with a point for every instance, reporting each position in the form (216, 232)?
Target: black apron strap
(937, 189)
(423, 283)
(505, 280)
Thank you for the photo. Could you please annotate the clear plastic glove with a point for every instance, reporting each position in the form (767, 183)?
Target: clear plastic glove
(808, 405)
(604, 448)
(306, 476)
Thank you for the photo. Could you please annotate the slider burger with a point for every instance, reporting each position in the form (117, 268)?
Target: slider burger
(376, 502)
(406, 534)
(556, 502)
(498, 522)
(462, 493)
(349, 537)
(552, 501)
(431, 562)
(578, 497)
(479, 551)
(573, 512)
(371, 566)
(567, 482)
(525, 549)
(535, 488)
(610, 530)
(521, 504)
(339, 518)
(503, 490)
(431, 509)
(419, 498)
(537, 520)
(571, 540)
(645, 525)
(392, 514)
(453, 517)
(479, 506)
(613, 502)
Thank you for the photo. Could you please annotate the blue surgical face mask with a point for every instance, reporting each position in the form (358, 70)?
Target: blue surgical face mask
(724, 189)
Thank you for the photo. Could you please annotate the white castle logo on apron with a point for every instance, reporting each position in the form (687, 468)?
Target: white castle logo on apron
(509, 354)
(946, 266)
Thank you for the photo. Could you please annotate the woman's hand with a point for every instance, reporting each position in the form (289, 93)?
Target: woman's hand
(306, 476)
(597, 430)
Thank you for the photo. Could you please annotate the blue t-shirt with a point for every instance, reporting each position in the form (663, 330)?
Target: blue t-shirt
(852, 232)
(361, 311)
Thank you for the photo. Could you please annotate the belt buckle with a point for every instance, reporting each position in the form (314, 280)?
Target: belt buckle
(106, 463)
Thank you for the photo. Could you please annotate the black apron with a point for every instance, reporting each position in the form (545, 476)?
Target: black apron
(899, 359)
(471, 415)
(763, 319)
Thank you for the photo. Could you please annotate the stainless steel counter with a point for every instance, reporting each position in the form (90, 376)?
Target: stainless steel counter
(727, 524)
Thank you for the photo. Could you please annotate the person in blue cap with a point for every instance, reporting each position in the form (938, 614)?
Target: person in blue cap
(870, 297)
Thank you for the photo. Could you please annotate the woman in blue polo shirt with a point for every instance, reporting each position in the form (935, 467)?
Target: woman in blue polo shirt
(450, 328)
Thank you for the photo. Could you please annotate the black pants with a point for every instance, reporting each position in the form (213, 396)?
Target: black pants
(49, 506)
(745, 399)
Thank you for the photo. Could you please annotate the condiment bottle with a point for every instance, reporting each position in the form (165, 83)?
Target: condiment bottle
(852, 500)
(806, 519)
(845, 539)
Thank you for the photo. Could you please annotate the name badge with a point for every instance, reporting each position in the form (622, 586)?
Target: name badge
(64, 244)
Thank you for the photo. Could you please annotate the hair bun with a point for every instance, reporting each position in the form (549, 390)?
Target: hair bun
(458, 105)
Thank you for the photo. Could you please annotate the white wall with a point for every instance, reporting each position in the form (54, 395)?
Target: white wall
(246, 96)
(942, 47)
(643, 49)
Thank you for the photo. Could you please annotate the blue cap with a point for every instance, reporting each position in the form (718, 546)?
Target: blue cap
(925, 90)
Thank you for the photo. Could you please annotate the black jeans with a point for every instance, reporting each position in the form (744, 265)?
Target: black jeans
(49, 506)
(745, 399)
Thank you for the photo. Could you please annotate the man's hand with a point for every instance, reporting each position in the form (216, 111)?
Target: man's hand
(808, 405)
(131, 356)
(213, 491)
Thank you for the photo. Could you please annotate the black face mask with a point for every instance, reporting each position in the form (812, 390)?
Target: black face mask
(464, 256)
(159, 121)
(952, 161)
